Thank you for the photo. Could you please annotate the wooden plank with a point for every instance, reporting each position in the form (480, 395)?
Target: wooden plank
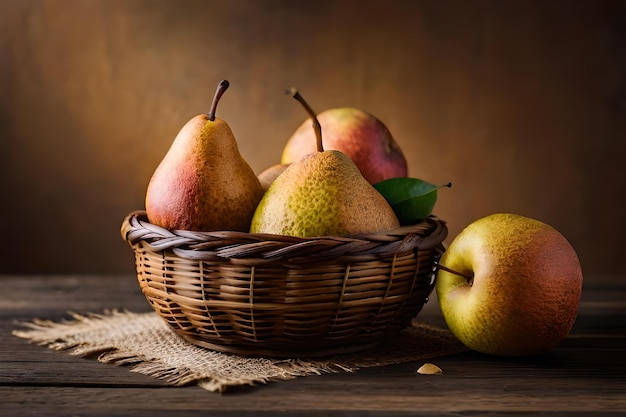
(51, 297)
(593, 378)
(392, 392)
(583, 374)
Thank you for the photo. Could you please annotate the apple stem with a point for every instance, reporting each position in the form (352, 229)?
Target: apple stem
(221, 87)
(452, 271)
(293, 92)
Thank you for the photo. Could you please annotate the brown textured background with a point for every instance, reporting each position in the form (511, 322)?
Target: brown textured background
(520, 103)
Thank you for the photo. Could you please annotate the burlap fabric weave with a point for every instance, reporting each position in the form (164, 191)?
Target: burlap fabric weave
(145, 343)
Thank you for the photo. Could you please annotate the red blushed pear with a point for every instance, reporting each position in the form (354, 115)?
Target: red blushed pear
(203, 183)
(359, 135)
(509, 285)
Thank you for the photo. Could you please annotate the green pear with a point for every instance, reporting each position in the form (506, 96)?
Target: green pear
(322, 194)
(361, 136)
(203, 183)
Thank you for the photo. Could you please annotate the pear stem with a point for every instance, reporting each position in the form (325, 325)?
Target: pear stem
(293, 92)
(221, 87)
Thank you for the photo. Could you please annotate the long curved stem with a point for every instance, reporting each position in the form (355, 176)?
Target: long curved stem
(293, 92)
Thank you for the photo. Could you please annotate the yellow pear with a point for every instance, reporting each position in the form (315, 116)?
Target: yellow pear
(322, 194)
(203, 183)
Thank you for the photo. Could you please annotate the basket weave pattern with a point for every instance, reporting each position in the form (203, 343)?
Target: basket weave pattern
(258, 294)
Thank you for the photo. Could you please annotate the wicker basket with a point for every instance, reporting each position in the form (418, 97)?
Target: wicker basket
(281, 296)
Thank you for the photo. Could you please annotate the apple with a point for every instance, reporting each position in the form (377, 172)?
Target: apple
(359, 135)
(509, 285)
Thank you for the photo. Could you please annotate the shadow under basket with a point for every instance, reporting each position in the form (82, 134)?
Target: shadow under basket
(283, 296)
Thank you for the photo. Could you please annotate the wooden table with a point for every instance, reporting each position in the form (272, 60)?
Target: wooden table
(586, 374)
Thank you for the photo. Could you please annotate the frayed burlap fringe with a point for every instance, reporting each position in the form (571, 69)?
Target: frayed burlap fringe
(145, 343)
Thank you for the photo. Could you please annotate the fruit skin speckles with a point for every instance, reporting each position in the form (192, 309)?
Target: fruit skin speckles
(358, 134)
(510, 285)
(322, 194)
(309, 200)
(203, 183)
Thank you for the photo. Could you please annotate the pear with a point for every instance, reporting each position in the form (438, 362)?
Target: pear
(322, 194)
(360, 135)
(267, 176)
(203, 183)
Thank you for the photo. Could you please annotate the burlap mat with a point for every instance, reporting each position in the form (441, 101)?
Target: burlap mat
(145, 343)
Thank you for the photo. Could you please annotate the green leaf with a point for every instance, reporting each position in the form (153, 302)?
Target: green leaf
(412, 199)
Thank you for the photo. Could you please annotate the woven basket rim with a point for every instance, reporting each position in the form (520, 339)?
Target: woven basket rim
(285, 296)
(425, 235)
